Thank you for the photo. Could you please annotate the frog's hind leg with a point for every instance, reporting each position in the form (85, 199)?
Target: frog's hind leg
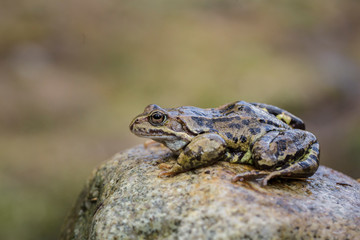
(283, 115)
(303, 168)
(288, 154)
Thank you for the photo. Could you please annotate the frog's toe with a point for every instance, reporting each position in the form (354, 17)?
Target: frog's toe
(166, 174)
(272, 175)
(150, 143)
(264, 182)
(175, 169)
(248, 176)
(164, 166)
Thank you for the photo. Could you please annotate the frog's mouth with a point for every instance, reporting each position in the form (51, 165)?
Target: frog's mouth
(153, 133)
(172, 141)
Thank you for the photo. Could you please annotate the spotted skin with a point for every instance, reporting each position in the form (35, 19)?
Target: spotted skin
(283, 115)
(267, 137)
(204, 150)
(294, 153)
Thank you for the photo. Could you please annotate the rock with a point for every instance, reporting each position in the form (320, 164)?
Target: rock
(124, 199)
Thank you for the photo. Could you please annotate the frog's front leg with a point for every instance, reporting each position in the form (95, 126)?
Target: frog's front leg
(203, 150)
(287, 154)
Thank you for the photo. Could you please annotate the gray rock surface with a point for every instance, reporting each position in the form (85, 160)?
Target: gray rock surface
(124, 199)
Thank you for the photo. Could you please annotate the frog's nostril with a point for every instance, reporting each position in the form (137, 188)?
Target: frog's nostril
(133, 123)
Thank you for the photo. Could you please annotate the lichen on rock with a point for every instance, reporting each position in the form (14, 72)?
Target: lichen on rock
(124, 199)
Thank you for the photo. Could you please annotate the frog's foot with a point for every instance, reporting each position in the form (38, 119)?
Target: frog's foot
(255, 175)
(150, 143)
(164, 166)
(303, 168)
(272, 175)
(249, 175)
(299, 160)
(175, 169)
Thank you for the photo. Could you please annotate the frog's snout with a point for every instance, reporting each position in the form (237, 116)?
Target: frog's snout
(135, 121)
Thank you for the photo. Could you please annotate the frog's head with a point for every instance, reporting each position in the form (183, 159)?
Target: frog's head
(162, 125)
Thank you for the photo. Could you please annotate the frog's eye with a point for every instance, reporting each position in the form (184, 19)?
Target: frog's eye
(157, 118)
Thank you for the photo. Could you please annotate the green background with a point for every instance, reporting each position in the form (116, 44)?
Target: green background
(73, 74)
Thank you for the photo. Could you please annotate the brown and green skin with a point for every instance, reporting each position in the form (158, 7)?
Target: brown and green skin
(267, 137)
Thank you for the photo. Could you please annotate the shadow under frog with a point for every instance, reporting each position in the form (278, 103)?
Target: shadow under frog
(264, 136)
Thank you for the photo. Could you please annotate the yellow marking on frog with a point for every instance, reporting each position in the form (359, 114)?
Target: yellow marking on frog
(284, 117)
(227, 155)
(246, 158)
(235, 159)
(265, 109)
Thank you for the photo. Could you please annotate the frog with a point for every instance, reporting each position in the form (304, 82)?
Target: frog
(271, 139)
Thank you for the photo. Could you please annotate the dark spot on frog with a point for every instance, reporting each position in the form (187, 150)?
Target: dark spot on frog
(254, 131)
(247, 109)
(157, 131)
(207, 172)
(245, 122)
(261, 121)
(281, 145)
(223, 119)
(243, 138)
(235, 139)
(289, 157)
(269, 128)
(300, 153)
(230, 113)
(304, 165)
(199, 121)
(229, 135)
(234, 125)
(272, 123)
(313, 157)
(209, 125)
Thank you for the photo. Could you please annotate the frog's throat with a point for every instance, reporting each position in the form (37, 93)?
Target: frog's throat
(176, 142)
(175, 146)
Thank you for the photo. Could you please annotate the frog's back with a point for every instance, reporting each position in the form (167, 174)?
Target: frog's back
(239, 123)
(246, 123)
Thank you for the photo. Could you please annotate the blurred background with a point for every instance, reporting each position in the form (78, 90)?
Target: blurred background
(73, 74)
